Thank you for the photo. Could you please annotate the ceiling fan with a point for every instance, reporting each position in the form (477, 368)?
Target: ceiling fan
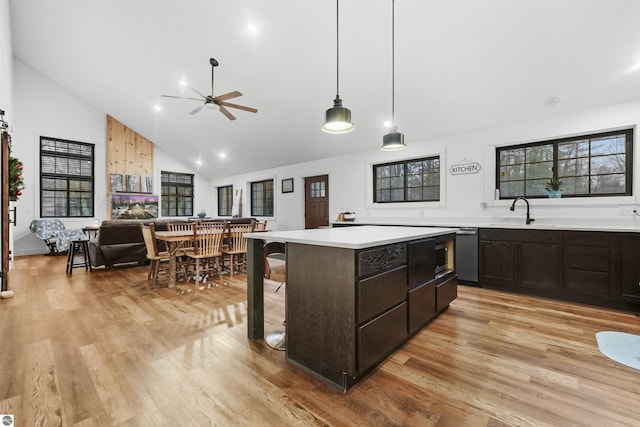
(216, 102)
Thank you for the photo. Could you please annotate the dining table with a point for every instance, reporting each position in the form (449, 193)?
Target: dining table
(174, 240)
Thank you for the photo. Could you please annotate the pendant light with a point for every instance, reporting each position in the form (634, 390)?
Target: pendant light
(394, 140)
(338, 118)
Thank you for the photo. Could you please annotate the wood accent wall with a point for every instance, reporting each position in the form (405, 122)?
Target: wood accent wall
(128, 153)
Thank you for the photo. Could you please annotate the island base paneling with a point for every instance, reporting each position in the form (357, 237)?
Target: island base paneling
(320, 311)
(348, 309)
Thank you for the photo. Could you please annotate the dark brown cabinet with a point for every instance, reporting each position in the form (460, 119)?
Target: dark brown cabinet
(421, 258)
(587, 263)
(497, 262)
(422, 305)
(628, 262)
(344, 320)
(594, 267)
(520, 258)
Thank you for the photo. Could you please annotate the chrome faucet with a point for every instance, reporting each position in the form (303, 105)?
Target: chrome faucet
(513, 207)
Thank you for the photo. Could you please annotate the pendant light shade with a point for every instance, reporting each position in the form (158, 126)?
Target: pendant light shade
(394, 140)
(338, 118)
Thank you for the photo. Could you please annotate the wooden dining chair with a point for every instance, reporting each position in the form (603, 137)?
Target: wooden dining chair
(236, 252)
(155, 257)
(182, 263)
(206, 251)
(260, 226)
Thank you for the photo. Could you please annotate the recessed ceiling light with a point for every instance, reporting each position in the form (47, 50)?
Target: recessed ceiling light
(253, 29)
(157, 108)
(222, 155)
(183, 83)
(198, 162)
(387, 124)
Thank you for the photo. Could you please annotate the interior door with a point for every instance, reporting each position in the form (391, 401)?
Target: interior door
(4, 210)
(316, 201)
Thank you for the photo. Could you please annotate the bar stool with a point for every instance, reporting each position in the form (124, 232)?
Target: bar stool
(76, 247)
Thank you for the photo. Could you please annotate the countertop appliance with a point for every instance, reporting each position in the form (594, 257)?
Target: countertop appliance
(467, 255)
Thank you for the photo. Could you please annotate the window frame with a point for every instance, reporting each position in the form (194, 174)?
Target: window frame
(405, 177)
(266, 201)
(67, 177)
(164, 207)
(628, 132)
(228, 200)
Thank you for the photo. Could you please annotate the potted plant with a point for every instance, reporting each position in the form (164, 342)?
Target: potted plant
(553, 187)
(202, 214)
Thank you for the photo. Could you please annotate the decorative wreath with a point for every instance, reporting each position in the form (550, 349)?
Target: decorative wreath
(15, 178)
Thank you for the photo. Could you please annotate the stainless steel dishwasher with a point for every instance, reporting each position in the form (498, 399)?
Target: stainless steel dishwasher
(467, 255)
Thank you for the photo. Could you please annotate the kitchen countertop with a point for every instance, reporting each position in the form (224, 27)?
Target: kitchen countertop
(540, 224)
(352, 237)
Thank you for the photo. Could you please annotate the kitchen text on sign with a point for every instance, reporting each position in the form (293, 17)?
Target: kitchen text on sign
(465, 168)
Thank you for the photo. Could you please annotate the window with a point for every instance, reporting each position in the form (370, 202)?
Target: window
(591, 165)
(262, 198)
(66, 178)
(225, 200)
(177, 194)
(416, 180)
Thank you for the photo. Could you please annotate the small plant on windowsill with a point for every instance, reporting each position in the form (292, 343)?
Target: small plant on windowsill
(553, 187)
(202, 214)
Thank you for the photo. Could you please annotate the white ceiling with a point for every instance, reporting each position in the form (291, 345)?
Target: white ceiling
(460, 65)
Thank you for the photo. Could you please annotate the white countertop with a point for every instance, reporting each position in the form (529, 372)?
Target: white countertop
(540, 224)
(352, 237)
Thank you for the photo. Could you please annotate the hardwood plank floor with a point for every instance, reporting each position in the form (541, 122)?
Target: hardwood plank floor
(102, 348)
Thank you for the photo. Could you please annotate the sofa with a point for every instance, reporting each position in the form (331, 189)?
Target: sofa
(120, 241)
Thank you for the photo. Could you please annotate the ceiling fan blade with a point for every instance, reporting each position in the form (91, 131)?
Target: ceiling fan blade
(196, 110)
(180, 97)
(226, 96)
(239, 107)
(198, 92)
(226, 113)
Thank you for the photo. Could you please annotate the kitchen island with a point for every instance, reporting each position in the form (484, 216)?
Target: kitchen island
(354, 295)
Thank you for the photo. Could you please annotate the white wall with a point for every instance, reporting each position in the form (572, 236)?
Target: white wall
(350, 180)
(43, 108)
(6, 60)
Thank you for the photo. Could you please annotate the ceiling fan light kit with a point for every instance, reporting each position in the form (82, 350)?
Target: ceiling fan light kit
(394, 140)
(212, 102)
(338, 118)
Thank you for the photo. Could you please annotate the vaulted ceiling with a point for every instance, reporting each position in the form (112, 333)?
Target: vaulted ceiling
(460, 65)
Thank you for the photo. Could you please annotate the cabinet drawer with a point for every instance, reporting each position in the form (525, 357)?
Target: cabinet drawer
(527, 236)
(379, 293)
(422, 306)
(445, 293)
(377, 338)
(587, 238)
(421, 260)
(381, 259)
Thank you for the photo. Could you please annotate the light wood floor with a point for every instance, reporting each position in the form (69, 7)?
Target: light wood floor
(102, 348)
